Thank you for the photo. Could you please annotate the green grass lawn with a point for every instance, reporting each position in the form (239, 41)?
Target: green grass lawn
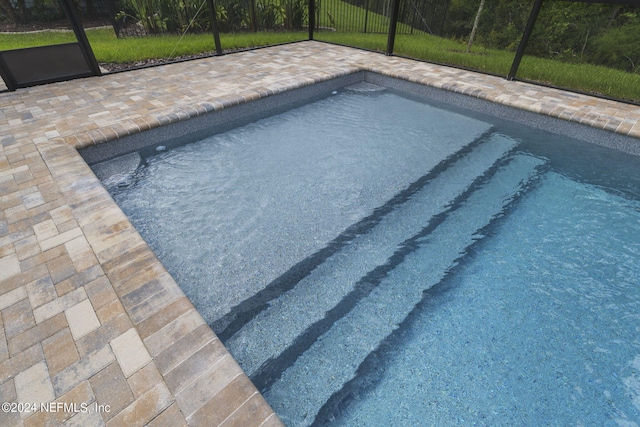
(108, 48)
(581, 77)
(44, 38)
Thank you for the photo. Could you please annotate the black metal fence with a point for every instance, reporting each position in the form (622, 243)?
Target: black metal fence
(374, 16)
(133, 17)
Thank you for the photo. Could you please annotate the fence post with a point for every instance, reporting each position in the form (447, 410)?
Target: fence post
(312, 18)
(214, 26)
(254, 24)
(366, 16)
(112, 11)
(7, 76)
(525, 39)
(81, 36)
(395, 8)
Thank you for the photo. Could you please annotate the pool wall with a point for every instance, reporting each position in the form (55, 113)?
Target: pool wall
(88, 312)
(201, 126)
(218, 121)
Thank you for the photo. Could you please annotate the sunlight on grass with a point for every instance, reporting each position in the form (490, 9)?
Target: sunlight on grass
(108, 48)
(44, 38)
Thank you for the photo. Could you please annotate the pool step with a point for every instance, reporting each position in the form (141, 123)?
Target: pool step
(333, 358)
(274, 329)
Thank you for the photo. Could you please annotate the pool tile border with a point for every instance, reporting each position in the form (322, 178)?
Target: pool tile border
(88, 312)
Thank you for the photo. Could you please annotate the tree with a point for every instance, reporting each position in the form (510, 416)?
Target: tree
(475, 26)
(5, 6)
(619, 48)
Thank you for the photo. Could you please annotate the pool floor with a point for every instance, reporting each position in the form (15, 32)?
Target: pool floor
(536, 326)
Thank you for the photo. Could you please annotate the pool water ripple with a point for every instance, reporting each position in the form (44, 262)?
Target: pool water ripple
(360, 278)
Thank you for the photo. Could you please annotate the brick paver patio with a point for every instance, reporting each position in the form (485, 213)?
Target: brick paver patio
(90, 318)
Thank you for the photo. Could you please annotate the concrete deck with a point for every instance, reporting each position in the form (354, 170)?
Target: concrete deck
(90, 318)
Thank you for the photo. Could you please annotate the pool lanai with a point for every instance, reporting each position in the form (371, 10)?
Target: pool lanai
(89, 314)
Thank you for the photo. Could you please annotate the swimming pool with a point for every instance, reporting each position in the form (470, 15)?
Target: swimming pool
(468, 271)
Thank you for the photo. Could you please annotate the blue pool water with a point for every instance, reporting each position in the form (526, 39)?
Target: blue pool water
(538, 326)
(371, 259)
